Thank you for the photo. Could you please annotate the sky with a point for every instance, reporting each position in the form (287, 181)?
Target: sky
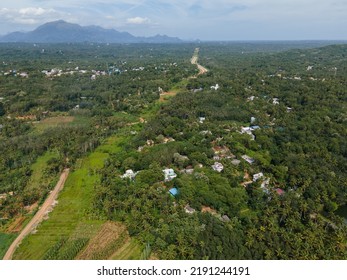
(189, 19)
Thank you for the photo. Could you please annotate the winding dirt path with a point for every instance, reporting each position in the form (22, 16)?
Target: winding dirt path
(40, 215)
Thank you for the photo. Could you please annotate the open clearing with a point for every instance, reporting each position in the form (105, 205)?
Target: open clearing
(37, 176)
(108, 239)
(130, 250)
(73, 216)
(58, 120)
(39, 216)
(166, 95)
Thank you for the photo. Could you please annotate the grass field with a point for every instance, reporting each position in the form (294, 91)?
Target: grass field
(72, 217)
(5, 242)
(129, 251)
(60, 121)
(38, 167)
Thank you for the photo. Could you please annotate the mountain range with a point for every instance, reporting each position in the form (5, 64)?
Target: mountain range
(63, 32)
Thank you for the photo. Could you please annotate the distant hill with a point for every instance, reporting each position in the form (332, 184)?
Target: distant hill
(63, 32)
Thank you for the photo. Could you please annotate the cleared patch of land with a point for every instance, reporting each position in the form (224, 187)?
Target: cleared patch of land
(37, 176)
(73, 217)
(108, 239)
(129, 250)
(58, 120)
(16, 225)
(39, 216)
(166, 95)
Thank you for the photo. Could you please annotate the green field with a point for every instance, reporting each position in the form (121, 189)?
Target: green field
(129, 251)
(5, 242)
(72, 217)
(38, 168)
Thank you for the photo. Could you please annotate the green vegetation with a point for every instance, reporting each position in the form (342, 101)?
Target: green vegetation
(74, 209)
(5, 242)
(129, 251)
(257, 145)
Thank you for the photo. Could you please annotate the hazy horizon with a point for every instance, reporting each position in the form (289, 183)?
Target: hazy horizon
(220, 20)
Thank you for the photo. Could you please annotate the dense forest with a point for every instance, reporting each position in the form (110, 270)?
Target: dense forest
(246, 161)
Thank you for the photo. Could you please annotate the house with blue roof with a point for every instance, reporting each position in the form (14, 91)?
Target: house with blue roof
(173, 191)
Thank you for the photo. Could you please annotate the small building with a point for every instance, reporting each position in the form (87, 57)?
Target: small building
(169, 174)
(235, 162)
(168, 139)
(222, 151)
(218, 167)
(248, 159)
(265, 186)
(150, 143)
(173, 192)
(129, 174)
(202, 119)
(189, 210)
(257, 176)
(216, 87)
(248, 130)
(279, 191)
(275, 101)
(140, 149)
(189, 170)
(225, 218)
(24, 75)
(206, 132)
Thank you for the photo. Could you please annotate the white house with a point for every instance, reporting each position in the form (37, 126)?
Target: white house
(202, 119)
(216, 87)
(129, 174)
(248, 130)
(218, 167)
(275, 101)
(169, 174)
(24, 75)
(235, 162)
(248, 159)
(257, 176)
(265, 185)
(189, 210)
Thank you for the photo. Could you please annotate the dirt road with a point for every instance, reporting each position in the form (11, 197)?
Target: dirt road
(39, 216)
(194, 60)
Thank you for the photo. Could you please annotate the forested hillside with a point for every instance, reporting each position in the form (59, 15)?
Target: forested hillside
(246, 161)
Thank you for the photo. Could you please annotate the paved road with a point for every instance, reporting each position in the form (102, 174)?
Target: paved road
(39, 216)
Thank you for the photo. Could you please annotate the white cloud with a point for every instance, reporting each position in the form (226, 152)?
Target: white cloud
(34, 11)
(28, 16)
(138, 20)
